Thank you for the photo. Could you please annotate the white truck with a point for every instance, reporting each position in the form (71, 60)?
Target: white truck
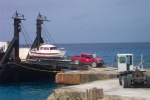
(130, 75)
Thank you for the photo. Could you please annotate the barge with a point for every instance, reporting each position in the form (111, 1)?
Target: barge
(13, 69)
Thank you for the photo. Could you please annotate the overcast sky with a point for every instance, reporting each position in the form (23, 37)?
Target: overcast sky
(80, 21)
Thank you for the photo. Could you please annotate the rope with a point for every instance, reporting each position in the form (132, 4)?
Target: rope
(26, 33)
(43, 66)
(49, 35)
(26, 40)
(36, 69)
(46, 36)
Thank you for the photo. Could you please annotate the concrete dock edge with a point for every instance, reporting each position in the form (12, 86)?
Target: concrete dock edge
(95, 84)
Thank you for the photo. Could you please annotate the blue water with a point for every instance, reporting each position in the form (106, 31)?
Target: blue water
(35, 90)
(108, 51)
(41, 90)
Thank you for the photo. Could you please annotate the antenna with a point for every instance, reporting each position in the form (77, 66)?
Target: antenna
(18, 16)
(42, 18)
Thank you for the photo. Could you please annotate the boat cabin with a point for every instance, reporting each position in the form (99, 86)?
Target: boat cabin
(47, 47)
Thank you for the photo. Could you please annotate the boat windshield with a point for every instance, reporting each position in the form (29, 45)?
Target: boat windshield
(53, 48)
(44, 48)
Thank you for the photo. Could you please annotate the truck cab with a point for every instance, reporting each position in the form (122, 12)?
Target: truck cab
(130, 75)
(86, 58)
(125, 62)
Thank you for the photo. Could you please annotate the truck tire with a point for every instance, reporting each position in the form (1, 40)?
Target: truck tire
(148, 80)
(129, 81)
(94, 64)
(76, 62)
(124, 82)
(120, 79)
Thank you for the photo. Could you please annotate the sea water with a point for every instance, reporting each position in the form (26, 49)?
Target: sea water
(108, 51)
(35, 90)
(40, 90)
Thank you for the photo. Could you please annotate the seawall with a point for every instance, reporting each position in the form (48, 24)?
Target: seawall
(83, 76)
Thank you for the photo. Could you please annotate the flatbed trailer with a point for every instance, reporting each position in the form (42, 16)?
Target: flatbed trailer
(59, 63)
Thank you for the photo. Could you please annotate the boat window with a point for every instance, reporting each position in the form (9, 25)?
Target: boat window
(53, 48)
(41, 48)
(46, 48)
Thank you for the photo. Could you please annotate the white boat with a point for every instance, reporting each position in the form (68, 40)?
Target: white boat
(47, 51)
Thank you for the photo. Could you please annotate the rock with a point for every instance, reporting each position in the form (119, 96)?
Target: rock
(77, 94)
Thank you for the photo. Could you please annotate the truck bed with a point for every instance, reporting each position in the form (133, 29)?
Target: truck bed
(75, 57)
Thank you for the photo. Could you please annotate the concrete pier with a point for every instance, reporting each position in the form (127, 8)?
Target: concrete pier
(80, 76)
(108, 89)
(95, 84)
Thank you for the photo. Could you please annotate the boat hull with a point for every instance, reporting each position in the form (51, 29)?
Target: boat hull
(47, 55)
(27, 72)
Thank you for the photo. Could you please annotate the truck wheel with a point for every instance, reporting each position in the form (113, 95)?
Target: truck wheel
(129, 81)
(148, 80)
(124, 82)
(76, 62)
(120, 77)
(94, 64)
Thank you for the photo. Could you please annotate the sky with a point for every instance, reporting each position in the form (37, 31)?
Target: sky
(80, 21)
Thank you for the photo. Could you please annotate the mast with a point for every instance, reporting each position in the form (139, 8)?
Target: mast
(17, 28)
(15, 41)
(39, 23)
(38, 40)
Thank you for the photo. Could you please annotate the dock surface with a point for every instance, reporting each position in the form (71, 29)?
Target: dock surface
(96, 84)
(82, 76)
(111, 91)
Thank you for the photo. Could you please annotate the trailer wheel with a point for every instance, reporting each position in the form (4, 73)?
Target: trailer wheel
(120, 81)
(94, 64)
(129, 81)
(76, 62)
(124, 82)
(148, 81)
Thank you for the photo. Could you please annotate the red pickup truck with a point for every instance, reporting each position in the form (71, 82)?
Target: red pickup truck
(87, 58)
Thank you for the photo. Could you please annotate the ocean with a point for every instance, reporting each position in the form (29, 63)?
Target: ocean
(108, 51)
(40, 90)
(35, 90)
